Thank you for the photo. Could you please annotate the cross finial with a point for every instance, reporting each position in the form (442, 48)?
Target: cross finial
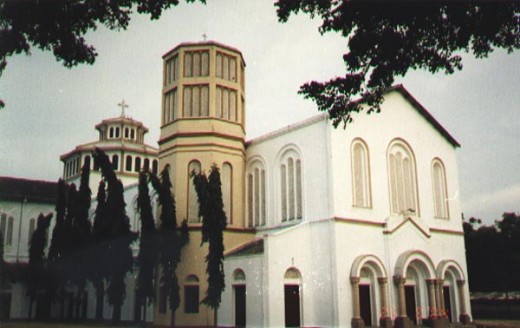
(204, 36)
(123, 105)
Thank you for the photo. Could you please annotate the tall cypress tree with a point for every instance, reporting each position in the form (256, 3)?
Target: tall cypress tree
(81, 231)
(172, 240)
(58, 246)
(211, 208)
(36, 270)
(98, 261)
(119, 253)
(148, 247)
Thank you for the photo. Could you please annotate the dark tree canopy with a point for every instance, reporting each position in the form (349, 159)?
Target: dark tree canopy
(388, 39)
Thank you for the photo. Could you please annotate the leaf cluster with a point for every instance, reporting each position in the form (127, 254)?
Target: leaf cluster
(388, 39)
(214, 222)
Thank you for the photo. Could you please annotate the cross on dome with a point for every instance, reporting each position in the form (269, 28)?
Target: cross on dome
(123, 105)
(204, 36)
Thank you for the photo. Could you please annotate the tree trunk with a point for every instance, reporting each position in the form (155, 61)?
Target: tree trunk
(172, 319)
(215, 317)
(144, 315)
(30, 308)
(99, 299)
(78, 305)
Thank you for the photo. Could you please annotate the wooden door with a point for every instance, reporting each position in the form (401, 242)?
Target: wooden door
(292, 305)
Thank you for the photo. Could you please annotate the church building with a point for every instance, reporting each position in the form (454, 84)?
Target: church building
(326, 227)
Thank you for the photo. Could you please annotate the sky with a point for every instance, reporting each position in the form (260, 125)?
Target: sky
(51, 109)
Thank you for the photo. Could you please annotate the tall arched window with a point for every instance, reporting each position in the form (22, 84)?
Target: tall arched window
(154, 166)
(193, 204)
(440, 193)
(360, 174)
(402, 179)
(227, 189)
(256, 202)
(146, 165)
(291, 186)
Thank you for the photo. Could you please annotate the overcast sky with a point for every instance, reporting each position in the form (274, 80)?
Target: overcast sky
(51, 109)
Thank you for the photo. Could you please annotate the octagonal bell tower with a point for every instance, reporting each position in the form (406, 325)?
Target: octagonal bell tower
(203, 118)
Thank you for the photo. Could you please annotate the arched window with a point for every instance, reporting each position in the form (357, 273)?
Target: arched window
(154, 166)
(146, 164)
(440, 193)
(402, 179)
(32, 227)
(128, 166)
(117, 132)
(132, 134)
(115, 162)
(360, 174)
(291, 186)
(9, 236)
(256, 202)
(126, 133)
(137, 167)
(111, 134)
(227, 189)
(191, 294)
(193, 205)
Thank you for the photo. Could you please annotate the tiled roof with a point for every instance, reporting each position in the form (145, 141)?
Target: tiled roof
(17, 189)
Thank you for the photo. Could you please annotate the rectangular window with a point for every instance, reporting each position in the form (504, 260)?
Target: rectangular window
(170, 106)
(226, 67)
(226, 103)
(196, 100)
(196, 63)
(191, 299)
(171, 70)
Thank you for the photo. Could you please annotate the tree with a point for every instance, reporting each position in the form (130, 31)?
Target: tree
(98, 255)
(118, 252)
(172, 240)
(214, 221)
(148, 247)
(36, 270)
(82, 235)
(60, 26)
(58, 247)
(387, 39)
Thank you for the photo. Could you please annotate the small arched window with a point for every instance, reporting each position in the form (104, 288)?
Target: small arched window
(32, 227)
(146, 165)
(126, 133)
(137, 167)
(87, 160)
(360, 174)
(440, 199)
(154, 166)
(227, 189)
(117, 132)
(402, 179)
(191, 294)
(115, 162)
(193, 205)
(111, 132)
(256, 202)
(291, 186)
(9, 235)
(132, 134)
(128, 166)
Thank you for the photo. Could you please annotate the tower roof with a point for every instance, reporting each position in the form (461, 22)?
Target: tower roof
(204, 44)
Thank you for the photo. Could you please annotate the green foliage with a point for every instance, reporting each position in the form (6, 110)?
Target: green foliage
(172, 239)
(60, 26)
(99, 260)
(211, 208)
(493, 254)
(387, 39)
(119, 259)
(148, 246)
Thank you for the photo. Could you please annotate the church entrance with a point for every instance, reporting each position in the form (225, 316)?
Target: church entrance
(411, 310)
(240, 305)
(447, 301)
(365, 304)
(292, 305)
